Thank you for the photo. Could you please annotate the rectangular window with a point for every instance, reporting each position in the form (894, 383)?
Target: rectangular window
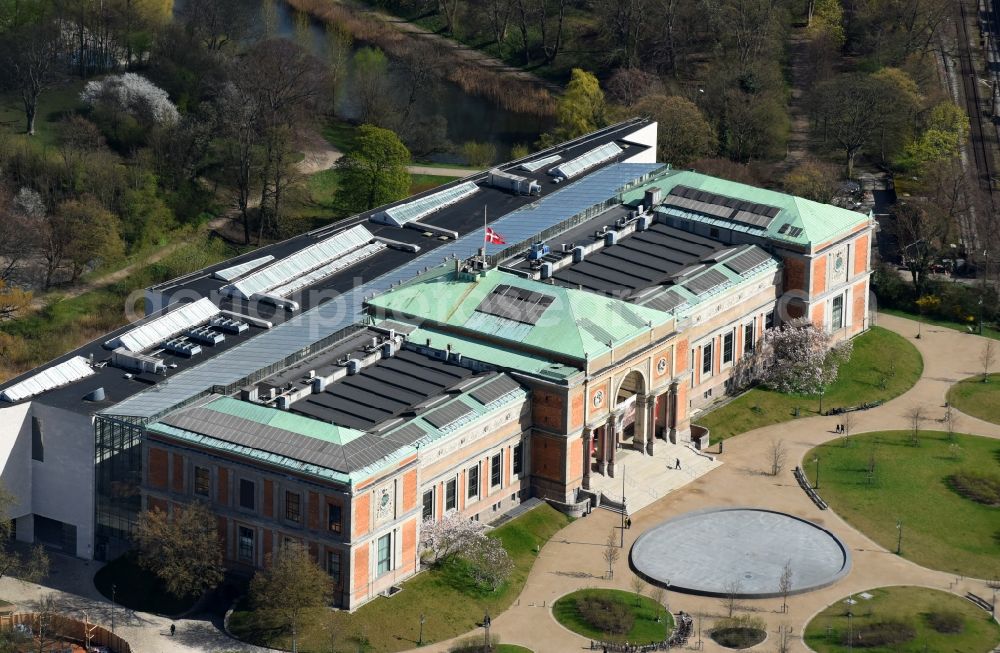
(37, 442)
(248, 494)
(495, 470)
(333, 566)
(769, 321)
(837, 313)
(727, 347)
(473, 482)
(334, 520)
(516, 462)
(428, 505)
(245, 544)
(706, 358)
(202, 481)
(748, 339)
(293, 506)
(451, 494)
(384, 554)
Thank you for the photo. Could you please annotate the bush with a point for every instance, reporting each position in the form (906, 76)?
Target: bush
(882, 633)
(978, 486)
(946, 621)
(607, 614)
(742, 631)
(473, 644)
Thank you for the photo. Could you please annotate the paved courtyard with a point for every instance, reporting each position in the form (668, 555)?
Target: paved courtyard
(572, 559)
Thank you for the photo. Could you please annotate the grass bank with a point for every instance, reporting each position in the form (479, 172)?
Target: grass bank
(941, 529)
(988, 331)
(973, 397)
(443, 594)
(883, 365)
(917, 611)
(645, 628)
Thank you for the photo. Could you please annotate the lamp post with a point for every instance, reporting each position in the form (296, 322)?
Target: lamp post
(816, 460)
(114, 590)
(624, 509)
(486, 630)
(899, 537)
(420, 640)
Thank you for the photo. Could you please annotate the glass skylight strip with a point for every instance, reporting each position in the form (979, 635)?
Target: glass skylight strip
(156, 331)
(587, 160)
(337, 265)
(423, 206)
(64, 373)
(236, 271)
(301, 262)
(538, 164)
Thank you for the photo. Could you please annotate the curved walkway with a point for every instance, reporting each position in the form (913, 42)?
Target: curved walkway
(572, 559)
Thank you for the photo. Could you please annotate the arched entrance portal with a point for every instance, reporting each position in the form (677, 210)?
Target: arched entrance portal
(631, 393)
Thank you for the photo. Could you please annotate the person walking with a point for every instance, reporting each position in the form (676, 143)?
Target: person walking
(173, 629)
(677, 463)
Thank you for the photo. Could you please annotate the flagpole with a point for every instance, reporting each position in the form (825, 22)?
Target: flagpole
(485, 227)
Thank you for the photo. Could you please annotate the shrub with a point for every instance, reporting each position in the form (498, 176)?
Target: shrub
(473, 644)
(980, 487)
(607, 614)
(881, 633)
(946, 621)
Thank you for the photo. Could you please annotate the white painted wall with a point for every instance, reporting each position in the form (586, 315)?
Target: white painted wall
(643, 136)
(15, 464)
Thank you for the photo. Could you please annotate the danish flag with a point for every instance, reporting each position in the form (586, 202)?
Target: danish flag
(493, 237)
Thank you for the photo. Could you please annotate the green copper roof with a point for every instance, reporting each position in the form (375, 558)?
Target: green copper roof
(493, 355)
(576, 324)
(819, 222)
(283, 420)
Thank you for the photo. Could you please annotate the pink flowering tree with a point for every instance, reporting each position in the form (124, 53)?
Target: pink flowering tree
(489, 563)
(796, 357)
(441, 539)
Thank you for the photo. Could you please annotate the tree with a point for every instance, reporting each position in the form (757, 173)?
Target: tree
(785, 584)
(290, 584)
(813, 180)
(916, 416)
(182, 548)
(899, 101)
(847, 421)
(47, 632)
(946, 133)
(440, 539)
(12, 300)
(88, 232)
(683, 133)
(373, 170)
(134, 95)
(217, 23)
(489, 563)
(785, 638)
(580, 109)
(847, 109)
(611, 553)
(479, 155)
(30, 568)
(987, 357)
(371, 69)
(658, 594)
(638, 585)
(629, 85)
(30, 56)
(950, 419)
(776, 456)
(730, 599)
(796, 357)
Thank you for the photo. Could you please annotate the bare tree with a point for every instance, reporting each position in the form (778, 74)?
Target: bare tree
(730, 601)
(776, 456)
(950, 419)
(785, 584)
(987, 358)
(848, 423)
(872, 461)
(290, 584)
(47, 632)
(785, 638)
(611, 553)
(30, 58)
(638, 585)
(916, 416)
(658, 594)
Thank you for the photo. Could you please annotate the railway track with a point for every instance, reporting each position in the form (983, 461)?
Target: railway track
(978, 126)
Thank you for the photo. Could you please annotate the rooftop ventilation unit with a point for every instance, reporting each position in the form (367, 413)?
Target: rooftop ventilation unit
(97, 394)
(124, 359)
(182, 347)
(516, 183)
(586, 161)
(62, 374)
(206, 335)
(165, 326)
(227, 325)
(421, 207)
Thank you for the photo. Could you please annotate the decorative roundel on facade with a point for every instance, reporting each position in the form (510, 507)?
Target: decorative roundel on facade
(661, 365)
(598, 398)
(838, 262)
(384, 502)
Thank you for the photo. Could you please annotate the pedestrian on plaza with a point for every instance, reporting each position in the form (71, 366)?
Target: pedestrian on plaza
(173, 629)
(677, 463)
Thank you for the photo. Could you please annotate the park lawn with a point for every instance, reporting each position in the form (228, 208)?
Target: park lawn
(420, 183)
(913, 605)
(940, 528)
(645, 630)
(340, 133)
(879, 355)
(137, 588)
(53, 104)
(973, 397)
(442, 593)
(988, 331)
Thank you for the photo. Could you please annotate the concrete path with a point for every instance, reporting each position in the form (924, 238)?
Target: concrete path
(572, 560)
